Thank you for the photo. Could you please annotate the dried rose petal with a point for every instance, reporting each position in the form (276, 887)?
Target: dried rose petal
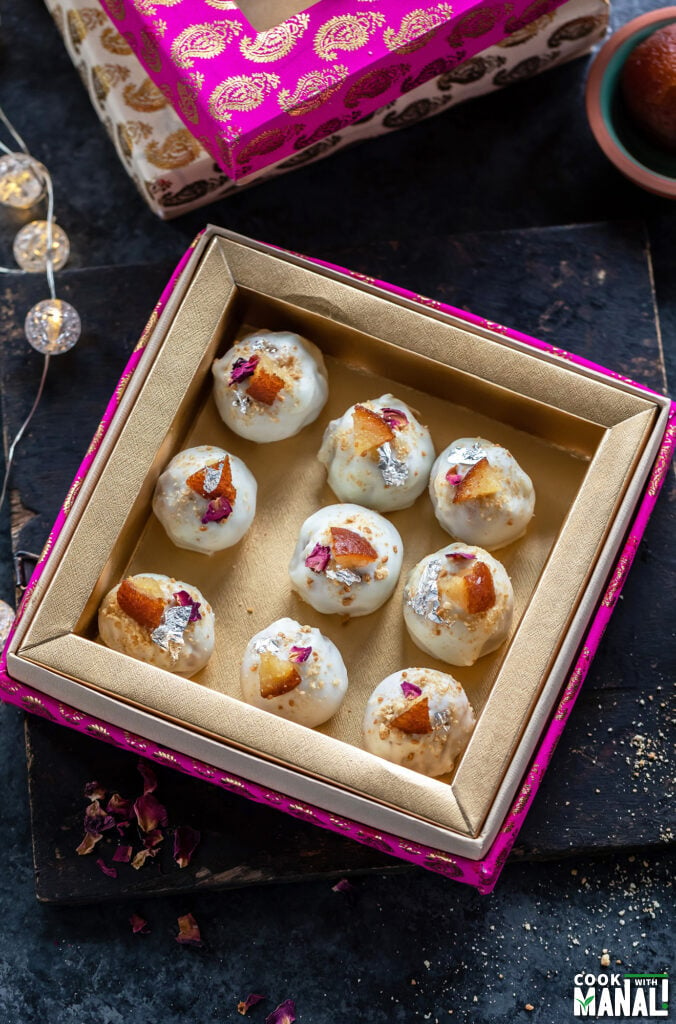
(150, 813)
(119, 807)
(410, 690)
(454, 478)
(188, 931)
(246, 1004)
(396, 419)
(185, 844)
(467, 555)
(318, 559)
(94, 791)
(122, 854)
(111, 872)
(284, 1014)
(242, 368)
(139, 925)
(218, 509)
(96, 819)
(153, 839)
(343, 886)
(88, 843)
(299, 655)
(184, 599)
(141, 857)
(149, 777)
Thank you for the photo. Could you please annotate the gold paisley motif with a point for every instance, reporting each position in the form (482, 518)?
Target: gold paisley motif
(145, 97)
(105, 76)
(241, 92)
(146, 332)
(113, 42)
(276, 42)
(202, 42)
(477, 23)
(178, 150)
(150, 51)
(527, 32)
(139, 130)
(116, 9)
(374, 83)
(662, 464)
(149, 7)
(187, 93)
(223, 5)
(267, 142)
(81, 22)
(345, 32)
(122, 386)
(414, 28)
(96, 440)
(71, 496)
(312, 90)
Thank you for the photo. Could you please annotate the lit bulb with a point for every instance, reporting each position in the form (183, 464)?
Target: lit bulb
(30, 247)
(22, 180)
(52, 326)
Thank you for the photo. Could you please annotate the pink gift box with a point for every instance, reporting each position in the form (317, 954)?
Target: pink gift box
(481, 872)
(253, 98)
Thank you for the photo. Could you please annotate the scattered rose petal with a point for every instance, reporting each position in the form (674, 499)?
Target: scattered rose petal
(150, 813)
(188, 931)
(242, 368)
(96, 819)
(184, 599)
(141, 857)
(149, 777)
(343, 886)
(218, 509)
(318, 559)
(246, 1004)
(88, 843)
(453, 478)
(139, 925)
(410, 690)
(111, 872)
(94, 791)
(153, 839)
(119, 807)
(122, 854)
(284, 1014)
(185, 844)
(467, 555)
(396, 419)
(299, 654)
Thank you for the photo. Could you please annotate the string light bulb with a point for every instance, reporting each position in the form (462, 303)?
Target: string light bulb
(30, 247)
(22, 180)
(52, 326)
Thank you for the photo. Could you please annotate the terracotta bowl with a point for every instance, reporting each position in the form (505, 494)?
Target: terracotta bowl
(635, 156)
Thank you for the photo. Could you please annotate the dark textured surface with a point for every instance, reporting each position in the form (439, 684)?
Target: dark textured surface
(410, 946)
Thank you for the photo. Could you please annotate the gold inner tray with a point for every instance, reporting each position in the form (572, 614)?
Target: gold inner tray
(578, 438)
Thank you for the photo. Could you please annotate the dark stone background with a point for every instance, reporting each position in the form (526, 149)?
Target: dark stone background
(408, 946)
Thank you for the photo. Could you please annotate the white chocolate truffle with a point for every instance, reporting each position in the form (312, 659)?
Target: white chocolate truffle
(480, 493)
(294, 672)
(270, 385)
(205, 499)
(378, 454)
(347, 560)
(160, 620)
(458, 604)
(419, 718)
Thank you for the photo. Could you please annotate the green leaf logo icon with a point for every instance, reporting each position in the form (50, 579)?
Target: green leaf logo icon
(584, 1002)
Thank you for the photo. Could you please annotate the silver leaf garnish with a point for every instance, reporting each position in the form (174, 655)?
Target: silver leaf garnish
(467, 456)
(169, 633)
(425, 600)
(345, 576)
(441, 724)
(212, 477)
(265, 345)
(394, 471)
(241, 401)
(267, 645)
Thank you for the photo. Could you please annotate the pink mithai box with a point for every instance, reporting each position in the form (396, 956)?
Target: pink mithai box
(596, 445)
(257, 81)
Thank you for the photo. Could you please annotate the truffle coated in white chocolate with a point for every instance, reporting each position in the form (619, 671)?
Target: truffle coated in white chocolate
(441, 708)
(181, 509)
(480, 493)
(322, 677)
(458, 608)
(121, 632)
(296, 362)
(385, 477)
(347, 587)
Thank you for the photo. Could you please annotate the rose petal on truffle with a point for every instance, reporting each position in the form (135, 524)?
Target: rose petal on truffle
(299, 654)
(88, 843)
(150, 813)
(318, 559)
(139, 925)
(119, 807)
(454, 478)
(122, 854)
(284, 1014)
(467, 555)
(242, 368)
(410, 690)
(246, 1004)
(185, 844)
(216, 510)
(111, 872)
(149, 777)
(343, 886)
(96, 819)
(188, 931)
(184, 599)
(396, 419)
(94, 791)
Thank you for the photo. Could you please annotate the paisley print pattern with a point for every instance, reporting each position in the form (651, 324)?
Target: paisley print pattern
(276, 42)
(346, 32)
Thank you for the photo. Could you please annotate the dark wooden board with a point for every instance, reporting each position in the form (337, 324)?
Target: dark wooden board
(585, 288)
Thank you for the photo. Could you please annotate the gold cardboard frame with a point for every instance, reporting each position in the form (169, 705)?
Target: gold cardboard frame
(614, 422)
